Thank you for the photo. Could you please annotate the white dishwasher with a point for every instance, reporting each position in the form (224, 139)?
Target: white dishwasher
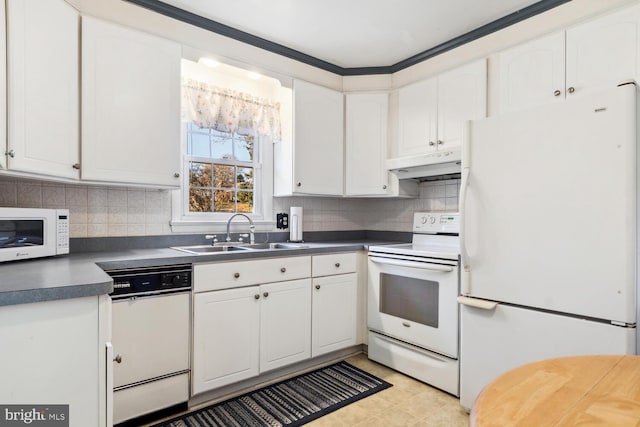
(151, 335)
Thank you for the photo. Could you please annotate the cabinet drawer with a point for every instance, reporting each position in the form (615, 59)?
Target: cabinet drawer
(232, 274)
(327, 265)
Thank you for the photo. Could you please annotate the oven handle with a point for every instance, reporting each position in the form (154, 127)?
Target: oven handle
(422, 265)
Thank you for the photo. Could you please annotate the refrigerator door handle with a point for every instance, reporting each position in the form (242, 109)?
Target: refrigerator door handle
(477, 303)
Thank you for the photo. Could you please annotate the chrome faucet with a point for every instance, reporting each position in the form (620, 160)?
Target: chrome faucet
(252, 228)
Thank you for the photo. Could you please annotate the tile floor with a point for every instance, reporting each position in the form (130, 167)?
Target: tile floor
(408, 403)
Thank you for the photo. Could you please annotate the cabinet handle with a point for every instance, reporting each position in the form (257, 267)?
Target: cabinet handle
(176, 175)
(11, 153)
(299, 184)
(283, 270)
(384, 187)
(118, 359)
(266, 294)
(556, 92)
(440, 142)
(76, 166)
(571, 89)
(431, 143)
(337, 265)
(257, 296)
(236, 275)
(317, 286)
(406, 324)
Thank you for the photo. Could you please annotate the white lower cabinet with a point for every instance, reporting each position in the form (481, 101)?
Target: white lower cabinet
(244, 326)
(334, 313)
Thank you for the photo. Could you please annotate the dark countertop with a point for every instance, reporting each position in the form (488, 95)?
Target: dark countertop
(83, 274)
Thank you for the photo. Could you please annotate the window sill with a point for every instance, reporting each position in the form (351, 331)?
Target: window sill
(199, 226)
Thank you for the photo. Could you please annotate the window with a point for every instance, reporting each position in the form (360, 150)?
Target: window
(223, 172)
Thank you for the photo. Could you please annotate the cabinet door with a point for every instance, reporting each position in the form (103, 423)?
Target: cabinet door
(225, 337)
(417, 118)
(130, 106)
(462, 96)
(532, 74)
(603, 52)
(334, 313)
(318, 160)
(43, 98)
(366, 144)
(285, 324)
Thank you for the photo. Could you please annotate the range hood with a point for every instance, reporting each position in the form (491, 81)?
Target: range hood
(426, 165)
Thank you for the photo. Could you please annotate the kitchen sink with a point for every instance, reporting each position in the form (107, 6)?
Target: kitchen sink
(208, 249)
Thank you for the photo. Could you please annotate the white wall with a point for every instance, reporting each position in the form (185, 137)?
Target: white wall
(110, 211)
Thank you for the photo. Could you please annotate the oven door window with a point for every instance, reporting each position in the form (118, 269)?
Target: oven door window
(410, 298)
(21, 232)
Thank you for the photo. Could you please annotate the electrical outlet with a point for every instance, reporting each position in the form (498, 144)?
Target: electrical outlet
(282, 220)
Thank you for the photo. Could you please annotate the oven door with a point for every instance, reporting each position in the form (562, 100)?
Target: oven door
(415, 301)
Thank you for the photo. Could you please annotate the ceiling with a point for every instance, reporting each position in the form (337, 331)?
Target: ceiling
(354, 34)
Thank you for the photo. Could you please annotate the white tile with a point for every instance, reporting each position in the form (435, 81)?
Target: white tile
(135, 230)
(116, 197)
(29, 195)
(153, 200)
(97, 196)
(136, 199)
(451, 190)
(153, 229)
(77, 230)
(77, 214)
(97, 230)
(76, 196)
(135, 215)
(117, 230)
(117, 215)
(53, 196)
(451, 203)
(97, 215)
(8, 194)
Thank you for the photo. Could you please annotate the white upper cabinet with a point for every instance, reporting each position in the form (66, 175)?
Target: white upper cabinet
(130, 106)
(600, 53)
(366, 144)
(318, 142)
(42, 86)
(432, 112)
(604, 52)
(532, 74)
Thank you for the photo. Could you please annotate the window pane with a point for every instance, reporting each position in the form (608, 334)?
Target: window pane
(224, 176)
(199, 145)
(244, 148)
(222, 144)
(245, 201)
(199, 174)
(245, 178)
(223, 201)
(199, 200)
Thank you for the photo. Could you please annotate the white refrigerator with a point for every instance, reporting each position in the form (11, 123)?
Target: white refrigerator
(549, 235)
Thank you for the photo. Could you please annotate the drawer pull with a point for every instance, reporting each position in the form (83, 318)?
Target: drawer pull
(236, 275)
(283, 270)
(406, 324)
(257, 296)
(266, 294)
(118, 359)
(317, 286)
(337, 265)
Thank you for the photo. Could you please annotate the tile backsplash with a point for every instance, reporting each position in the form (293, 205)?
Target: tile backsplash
(115, 211)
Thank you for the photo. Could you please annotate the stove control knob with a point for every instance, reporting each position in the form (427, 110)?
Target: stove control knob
(432, 219)
(424, 219)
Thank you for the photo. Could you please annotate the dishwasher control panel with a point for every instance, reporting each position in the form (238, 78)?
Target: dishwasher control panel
(152, 280)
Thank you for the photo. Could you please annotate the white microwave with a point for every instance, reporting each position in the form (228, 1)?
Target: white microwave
(33, 233)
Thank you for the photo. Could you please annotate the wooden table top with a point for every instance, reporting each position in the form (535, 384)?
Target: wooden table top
(568, 391)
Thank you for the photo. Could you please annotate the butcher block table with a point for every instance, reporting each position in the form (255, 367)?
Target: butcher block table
(568, 391)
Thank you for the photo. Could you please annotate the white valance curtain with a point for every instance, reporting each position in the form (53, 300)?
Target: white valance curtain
(226, 110)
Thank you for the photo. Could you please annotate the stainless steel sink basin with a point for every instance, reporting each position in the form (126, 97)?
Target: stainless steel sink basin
(208, 249)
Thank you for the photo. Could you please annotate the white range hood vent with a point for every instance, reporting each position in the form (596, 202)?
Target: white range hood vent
(426, 165)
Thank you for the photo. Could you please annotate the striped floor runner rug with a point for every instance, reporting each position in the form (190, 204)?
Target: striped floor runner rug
(292, 402)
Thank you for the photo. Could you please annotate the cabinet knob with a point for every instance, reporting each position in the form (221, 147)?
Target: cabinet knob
(571, 89)
(283, 270)
(266, 294)
(11, 153)
(337, 265)
(236, 275)
(317, 286)
(257, 296)
(76, 166)
(299, 184)
(431, 143)
(556, 92)
(440, 142)
(384, 187)
(176, 175)
(118, 359)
